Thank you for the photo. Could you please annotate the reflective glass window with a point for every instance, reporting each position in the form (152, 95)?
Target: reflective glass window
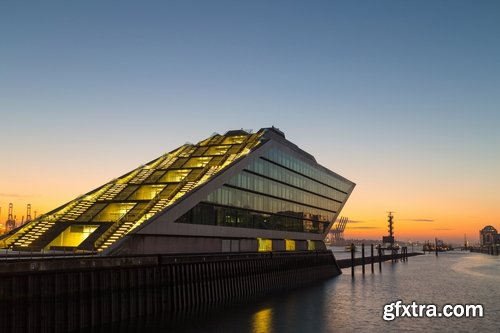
(307, 169)
(239, 198)
(236, 139)
(266, 186)
(147, 192)
(113, 212)
(206, 213)
(175, 176)
(217, 150)
(281, 174)
(197, 162)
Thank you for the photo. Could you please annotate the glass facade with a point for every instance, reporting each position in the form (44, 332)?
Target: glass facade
(275, 192)
(306, 169)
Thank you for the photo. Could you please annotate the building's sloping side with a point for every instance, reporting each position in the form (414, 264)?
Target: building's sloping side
(276, 198)
(99, 218)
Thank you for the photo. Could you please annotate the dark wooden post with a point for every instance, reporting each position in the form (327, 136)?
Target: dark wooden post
(363, 257)
(371, 252)
(380, 258)
(352, 259)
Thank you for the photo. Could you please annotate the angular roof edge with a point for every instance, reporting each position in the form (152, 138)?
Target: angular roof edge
(275, 134)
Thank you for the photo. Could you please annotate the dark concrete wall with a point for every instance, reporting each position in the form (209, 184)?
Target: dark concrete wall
(152, 244)
(300, 245)
(279, 245)
(58, 295)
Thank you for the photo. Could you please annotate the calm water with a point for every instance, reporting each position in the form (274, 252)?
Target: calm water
(342, 304)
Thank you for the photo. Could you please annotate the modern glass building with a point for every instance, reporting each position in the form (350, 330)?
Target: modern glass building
(235, 192)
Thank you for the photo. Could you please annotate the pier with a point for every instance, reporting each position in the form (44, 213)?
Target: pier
(373, 259)
(346, 263)
(69, 294)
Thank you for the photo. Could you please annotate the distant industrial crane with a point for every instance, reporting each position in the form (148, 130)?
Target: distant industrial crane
(11, 221)
(28, 214)
(338, 231)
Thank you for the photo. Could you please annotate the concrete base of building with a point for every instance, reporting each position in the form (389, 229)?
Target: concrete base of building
(69, 294)
(152, 244)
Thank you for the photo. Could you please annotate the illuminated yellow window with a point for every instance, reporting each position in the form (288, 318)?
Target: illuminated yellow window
(262, 321)
(113, 212)
(197, 162)
(200, 151)
(147, 192)
(217, 150)
(231, 140)
(175, 176)
(290, 245)
(73, 235)
(265, 245)
(311, 245)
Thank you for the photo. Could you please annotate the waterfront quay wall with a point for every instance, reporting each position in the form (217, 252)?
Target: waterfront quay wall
(71, 294)
(491, 249)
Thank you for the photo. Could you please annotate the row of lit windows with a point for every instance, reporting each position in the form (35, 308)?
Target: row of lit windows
(228, 196)
(195, 162)
(229, 140)
(145, 192)
(307, 169)
(217, 150)
(112, 212)
(259, 184)
(208, 214)
(102, 212)
(274, 171)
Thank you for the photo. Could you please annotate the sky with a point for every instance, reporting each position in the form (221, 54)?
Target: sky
(400, 97)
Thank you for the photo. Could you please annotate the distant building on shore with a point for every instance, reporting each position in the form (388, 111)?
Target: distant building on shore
(489, 236)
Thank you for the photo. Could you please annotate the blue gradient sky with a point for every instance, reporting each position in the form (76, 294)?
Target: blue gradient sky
(402, 97)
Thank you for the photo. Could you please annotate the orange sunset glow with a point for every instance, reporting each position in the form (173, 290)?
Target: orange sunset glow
(421, 212)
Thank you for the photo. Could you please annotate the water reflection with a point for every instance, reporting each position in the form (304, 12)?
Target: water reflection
(262, 321)
(342, 304)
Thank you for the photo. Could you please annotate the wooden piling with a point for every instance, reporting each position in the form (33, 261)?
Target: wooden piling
(380, 258)
(363, 258)
(352, 259)
(371, 253)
